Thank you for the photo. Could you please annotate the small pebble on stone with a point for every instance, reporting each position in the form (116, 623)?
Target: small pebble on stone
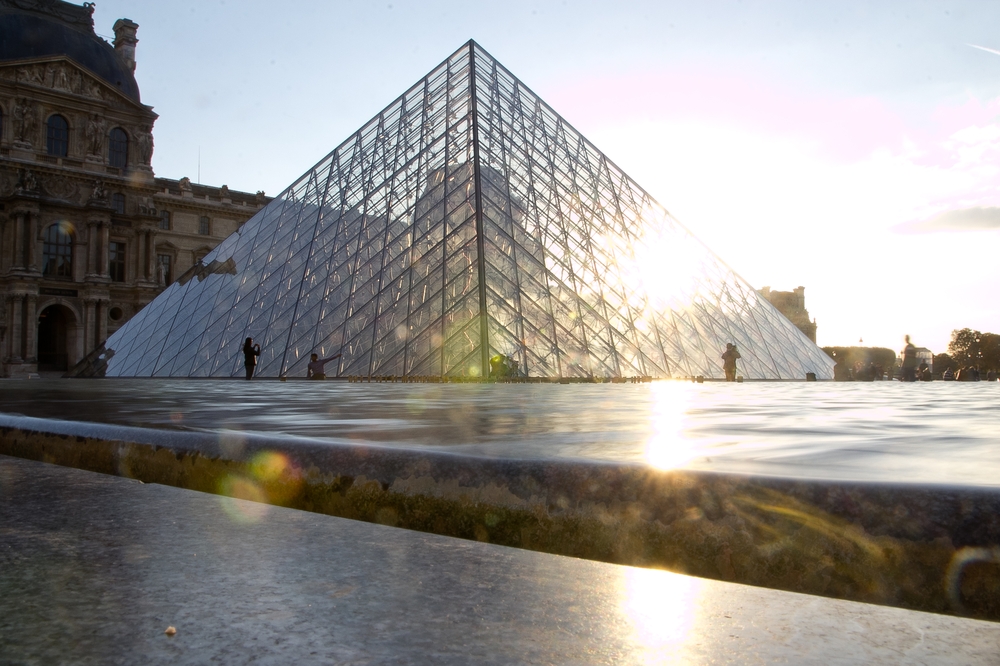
(170, 631)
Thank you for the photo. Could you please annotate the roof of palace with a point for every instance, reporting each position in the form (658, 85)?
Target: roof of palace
(32, 29)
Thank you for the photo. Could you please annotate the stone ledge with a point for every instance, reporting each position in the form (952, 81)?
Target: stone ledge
(931, 548)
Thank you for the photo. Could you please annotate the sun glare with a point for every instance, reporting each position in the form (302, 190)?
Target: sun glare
(668, 446)
(663, 610)
(667, 264)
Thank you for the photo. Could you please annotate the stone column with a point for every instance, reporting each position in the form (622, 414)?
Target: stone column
(8, 303)
(151, 255)
(102, 266)
(101, 312)
(89, 327)
(92, 237)
(15, 329)
(140, 255)
(17, 253)
(31, 246)
(31, 329)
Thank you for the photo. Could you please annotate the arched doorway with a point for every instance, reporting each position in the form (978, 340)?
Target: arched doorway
(54, 324)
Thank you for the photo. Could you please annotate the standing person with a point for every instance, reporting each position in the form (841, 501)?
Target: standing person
(908, 370)
(317, 366)
(250, 354)
(729, 361)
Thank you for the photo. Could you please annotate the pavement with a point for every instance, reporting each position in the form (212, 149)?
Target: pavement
(95, 568)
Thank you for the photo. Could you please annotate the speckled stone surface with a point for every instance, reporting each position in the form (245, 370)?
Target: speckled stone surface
(94, 568)
(932, 548)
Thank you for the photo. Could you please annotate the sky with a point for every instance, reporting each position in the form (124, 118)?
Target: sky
(852, 148)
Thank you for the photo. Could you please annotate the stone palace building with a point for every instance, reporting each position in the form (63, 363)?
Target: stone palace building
(88, 234)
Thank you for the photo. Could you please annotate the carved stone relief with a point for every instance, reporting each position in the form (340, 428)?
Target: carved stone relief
(95, 135)
(58, 76)
(99, 193)
(6, 185)
(26, 182)
(25, 121)
(61, 188)
(144, 144)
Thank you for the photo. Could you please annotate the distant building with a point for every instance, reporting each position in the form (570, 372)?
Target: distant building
(88, 234)
(792, 304)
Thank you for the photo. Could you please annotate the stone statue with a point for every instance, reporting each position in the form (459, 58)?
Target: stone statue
(260, 197)
(161, 274)
(99, 193)
(58, 77)
(224, 192)
(185, 184)
(27, 182)
(95, 135)
(24, 121)
(30, 75)
(91, 88)
(144, 143)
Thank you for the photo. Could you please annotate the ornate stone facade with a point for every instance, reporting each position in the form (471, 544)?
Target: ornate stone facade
(792, 304)
(88, 234)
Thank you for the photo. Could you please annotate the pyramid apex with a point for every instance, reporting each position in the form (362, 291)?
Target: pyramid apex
(465, 231)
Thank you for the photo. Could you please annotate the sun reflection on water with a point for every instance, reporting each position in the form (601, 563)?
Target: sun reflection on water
(663, 610)
(668, 446)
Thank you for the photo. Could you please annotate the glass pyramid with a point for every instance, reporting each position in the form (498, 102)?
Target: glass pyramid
(466, 228)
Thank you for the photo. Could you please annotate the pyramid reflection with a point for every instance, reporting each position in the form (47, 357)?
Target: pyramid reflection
(467, 226)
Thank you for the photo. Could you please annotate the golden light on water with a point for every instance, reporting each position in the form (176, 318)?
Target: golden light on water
(663, 609)
(668, 447)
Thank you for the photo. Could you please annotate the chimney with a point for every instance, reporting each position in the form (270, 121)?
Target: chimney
(800, 292)
(125, 41)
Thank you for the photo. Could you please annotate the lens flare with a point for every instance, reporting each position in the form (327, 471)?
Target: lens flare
(962, 559)
(279, 478)
(234, 488)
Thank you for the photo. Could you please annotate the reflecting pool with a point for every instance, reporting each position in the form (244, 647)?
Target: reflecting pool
(938, 432)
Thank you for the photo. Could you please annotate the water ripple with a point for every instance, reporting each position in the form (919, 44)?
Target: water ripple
(936, 432)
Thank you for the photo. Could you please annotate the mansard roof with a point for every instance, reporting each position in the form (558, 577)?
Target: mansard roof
(34, 29)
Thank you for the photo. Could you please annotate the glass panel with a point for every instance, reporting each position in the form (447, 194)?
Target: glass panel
(387, 248)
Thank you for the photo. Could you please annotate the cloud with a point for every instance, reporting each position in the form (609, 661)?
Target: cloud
(978, 218)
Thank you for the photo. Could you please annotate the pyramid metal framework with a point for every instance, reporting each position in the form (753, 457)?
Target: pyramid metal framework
(466, 220)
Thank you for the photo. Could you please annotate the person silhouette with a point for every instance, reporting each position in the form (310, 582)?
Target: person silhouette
(250, 354)
(729, 361)
(317, 366)
(908, 369)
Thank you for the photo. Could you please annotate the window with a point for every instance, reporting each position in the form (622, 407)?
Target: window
(118, 202)
(203, 226)
(57, 252)
(118, 148)
(58, 136)
(116, 261)
(165, 220)
(163, 269)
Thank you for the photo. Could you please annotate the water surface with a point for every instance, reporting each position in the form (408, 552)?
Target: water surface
(939, 432)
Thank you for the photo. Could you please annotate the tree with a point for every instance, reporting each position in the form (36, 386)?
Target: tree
(942, 362)
(848, 358)
(969, 347)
